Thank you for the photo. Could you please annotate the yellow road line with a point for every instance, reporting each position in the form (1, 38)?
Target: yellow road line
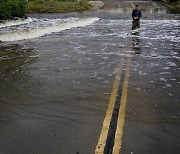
(121, 116)
(104, 132)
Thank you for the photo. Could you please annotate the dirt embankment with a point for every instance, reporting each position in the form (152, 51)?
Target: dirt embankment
(127, 6)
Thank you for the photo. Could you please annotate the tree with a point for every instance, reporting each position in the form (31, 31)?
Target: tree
(12, 8)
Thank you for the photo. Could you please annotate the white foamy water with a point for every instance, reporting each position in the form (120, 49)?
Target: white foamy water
(41, 31)
(15, 22)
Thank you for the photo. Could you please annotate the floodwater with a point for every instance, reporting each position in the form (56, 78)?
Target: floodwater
(56, 77)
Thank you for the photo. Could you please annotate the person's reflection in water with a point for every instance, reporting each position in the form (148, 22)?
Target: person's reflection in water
(136, 45)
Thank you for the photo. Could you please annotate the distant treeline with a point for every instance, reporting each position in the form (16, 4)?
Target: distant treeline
(12, 8)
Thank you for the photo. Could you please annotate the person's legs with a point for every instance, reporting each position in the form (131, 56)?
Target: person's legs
(133, 25)
(138, 24)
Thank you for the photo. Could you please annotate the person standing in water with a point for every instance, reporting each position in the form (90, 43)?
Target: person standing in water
(136, 15)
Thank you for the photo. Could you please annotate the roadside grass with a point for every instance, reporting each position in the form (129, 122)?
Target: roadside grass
(55, 6)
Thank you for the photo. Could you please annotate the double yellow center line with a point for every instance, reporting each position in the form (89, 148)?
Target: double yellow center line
(102, 146)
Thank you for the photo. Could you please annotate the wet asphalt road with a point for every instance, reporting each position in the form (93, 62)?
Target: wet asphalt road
(54, 90)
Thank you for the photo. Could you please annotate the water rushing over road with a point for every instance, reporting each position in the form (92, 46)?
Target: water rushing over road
(54, 89)
(39, 28)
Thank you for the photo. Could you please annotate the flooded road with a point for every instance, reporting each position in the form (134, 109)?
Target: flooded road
(56, 77)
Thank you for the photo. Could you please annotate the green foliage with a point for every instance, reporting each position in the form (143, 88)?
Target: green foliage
(38, 1)
(82, 2)
(174, 5)
(56, 6)
(4, 10)
(12, 8)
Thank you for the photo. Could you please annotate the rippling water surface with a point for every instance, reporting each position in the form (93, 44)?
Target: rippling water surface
(60, 68)
(52, 48)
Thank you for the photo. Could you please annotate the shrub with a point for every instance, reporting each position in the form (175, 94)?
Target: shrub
(38, 1)
(57, 6)
(12, 8)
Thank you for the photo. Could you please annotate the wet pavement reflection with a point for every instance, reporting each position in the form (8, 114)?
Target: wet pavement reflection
(136, 44)
(12, 57)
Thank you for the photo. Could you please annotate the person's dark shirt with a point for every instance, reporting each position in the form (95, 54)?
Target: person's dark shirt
(136, 13)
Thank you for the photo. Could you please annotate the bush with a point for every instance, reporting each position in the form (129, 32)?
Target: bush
(38, 1)
(12, 8)
(57, 6)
